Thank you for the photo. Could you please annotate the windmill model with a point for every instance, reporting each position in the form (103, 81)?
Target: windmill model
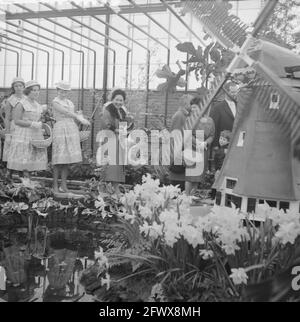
(263, 159)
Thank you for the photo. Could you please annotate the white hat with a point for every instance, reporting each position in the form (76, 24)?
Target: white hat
(32, 83)
(18, 80)
(63, 85)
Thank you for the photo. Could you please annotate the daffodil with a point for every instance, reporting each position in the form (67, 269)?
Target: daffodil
(239, 276)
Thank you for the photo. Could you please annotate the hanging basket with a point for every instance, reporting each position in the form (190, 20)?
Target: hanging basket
(42, 144)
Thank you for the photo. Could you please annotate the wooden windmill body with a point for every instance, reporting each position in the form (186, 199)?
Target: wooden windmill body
(260, 165)
(263, 160)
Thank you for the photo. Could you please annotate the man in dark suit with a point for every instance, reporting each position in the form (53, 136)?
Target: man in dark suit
(223, 113)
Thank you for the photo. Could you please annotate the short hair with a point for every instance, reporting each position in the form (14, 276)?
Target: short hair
(117, 92)
(29, 89)
(226, 134)
(196, 100)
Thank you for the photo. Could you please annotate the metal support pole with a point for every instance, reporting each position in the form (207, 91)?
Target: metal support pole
(147, 87)
(127, 67)
(26, 50)
(116, 30)
(18, 58)
(63, 45)
(105, 66)
(40, 36)
(37, 48)
(167, 93)
(94, 30)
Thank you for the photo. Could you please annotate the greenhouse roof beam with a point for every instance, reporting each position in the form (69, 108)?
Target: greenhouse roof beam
(153, 20)
(111, 10)
(88, 27)
(87, 12)
(168, 6)
(111, 27)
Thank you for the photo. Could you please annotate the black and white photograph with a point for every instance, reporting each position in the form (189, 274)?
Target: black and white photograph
(149, 153)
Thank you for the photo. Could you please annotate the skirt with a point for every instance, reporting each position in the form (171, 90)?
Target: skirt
(22, 155)
(66, 147)
(115, 171)
(6, 146)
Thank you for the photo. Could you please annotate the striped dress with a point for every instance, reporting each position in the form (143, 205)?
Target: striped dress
(66, 147)
(13, 100)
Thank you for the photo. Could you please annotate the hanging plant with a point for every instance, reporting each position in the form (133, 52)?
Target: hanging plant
(172, 79)
(206, 63)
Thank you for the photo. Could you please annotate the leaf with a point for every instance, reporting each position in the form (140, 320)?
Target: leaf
(215, 55)
(187, 47)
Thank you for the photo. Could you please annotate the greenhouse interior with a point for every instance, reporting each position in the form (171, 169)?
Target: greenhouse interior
(150, 151)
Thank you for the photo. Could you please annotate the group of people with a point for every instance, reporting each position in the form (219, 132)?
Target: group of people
(22, 116)
(217, 127)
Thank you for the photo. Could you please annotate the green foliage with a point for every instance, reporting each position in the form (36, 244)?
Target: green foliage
(281, 25)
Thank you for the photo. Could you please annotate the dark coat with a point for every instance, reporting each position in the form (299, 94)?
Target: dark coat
(109, 120)
(178, 122)
(223, 119)
(219, 157)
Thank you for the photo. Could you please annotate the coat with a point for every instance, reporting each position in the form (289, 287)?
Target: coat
(110, 121)
(208, 127)
(223, 119)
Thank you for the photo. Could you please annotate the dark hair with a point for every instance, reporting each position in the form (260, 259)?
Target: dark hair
(28, 90)
(195, 100)
(118, 92)
(112, 109)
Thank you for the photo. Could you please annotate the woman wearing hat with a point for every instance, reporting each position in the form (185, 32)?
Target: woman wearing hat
(23, 156)
(66, 147)
(15, 97)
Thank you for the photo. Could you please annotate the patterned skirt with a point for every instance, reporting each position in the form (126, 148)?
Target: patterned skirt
(66, 147)
(22, 155)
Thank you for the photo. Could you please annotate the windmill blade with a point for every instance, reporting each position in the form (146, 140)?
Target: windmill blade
(228, 30)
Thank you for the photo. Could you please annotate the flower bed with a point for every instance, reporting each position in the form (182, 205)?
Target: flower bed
(152, 247)
(222, 256)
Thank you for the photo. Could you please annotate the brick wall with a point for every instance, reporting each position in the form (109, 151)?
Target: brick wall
(136, 104)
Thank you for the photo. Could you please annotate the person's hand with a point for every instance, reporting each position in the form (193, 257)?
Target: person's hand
(202, 145)
(82, 120)
(85, 122)
(36, 125)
